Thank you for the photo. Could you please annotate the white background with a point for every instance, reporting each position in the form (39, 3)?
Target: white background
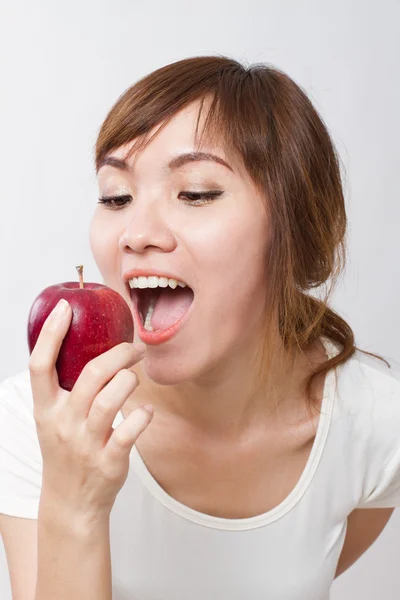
(63, 65)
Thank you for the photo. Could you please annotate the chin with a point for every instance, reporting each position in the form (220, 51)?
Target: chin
(170, 371)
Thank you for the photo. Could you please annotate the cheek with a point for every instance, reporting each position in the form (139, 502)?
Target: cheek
(214, 239)
(102, 244)
(232, 244)
(93, 238)
(232, 265)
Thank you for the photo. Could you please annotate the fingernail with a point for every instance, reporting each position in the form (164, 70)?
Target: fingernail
(149, 408)
(141, 348)
(61, 308)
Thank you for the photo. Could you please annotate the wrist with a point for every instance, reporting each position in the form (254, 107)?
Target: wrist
(58, 515)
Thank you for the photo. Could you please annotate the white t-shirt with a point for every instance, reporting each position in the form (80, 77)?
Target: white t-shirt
(163, 550)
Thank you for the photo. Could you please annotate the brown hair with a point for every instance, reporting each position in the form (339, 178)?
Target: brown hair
(263, 116)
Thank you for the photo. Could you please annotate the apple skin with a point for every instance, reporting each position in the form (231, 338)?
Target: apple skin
(101, 319)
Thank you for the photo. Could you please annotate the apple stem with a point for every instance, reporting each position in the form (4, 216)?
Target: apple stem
(79, 268)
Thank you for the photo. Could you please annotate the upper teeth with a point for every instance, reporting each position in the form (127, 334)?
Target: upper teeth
(153, 282)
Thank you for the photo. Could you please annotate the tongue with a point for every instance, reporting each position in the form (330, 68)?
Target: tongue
(170, 307)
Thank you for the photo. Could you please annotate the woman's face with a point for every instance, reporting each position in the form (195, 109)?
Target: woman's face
(218, 248)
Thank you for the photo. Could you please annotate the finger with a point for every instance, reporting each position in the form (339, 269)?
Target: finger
(107, 404)
(96, 374)
(125, 435)
(42, 361)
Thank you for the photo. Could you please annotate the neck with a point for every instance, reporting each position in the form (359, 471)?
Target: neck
(219, 405)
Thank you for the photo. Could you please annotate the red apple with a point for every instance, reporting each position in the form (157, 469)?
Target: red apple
(101, 319)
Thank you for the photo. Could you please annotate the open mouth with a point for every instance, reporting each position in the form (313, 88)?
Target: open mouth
(159, 308)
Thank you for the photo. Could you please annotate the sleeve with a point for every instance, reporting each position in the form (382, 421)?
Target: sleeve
(382, 474)
(386, 493)
(20, 454)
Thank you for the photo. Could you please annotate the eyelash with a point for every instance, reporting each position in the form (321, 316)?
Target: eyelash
(204, 197)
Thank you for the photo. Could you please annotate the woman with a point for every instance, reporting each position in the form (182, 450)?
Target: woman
(265, 432)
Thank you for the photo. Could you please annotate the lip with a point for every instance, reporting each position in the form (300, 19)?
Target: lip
(154, 338)
(148, 273)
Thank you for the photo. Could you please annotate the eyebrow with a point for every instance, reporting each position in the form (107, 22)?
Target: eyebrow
(175, 163)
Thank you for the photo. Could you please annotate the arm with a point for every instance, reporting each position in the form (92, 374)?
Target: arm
(363, 527)
(73, 556)
(85, 461)
(74, 559)
(19, 536)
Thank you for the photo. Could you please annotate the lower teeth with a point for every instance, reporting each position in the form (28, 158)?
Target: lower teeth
(147, 323)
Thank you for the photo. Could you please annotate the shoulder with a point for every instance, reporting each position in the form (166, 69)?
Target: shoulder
(368, 388)
(366, 427)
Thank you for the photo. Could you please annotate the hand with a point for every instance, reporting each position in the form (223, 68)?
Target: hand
(85, 461)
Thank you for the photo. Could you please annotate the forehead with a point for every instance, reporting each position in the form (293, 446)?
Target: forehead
(175, 145)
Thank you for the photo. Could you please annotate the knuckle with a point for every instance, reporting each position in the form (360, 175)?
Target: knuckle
(102, 405)
(127, 347)
(141, 412)
(128, 350)
(45, 418)
(110, 468)
(130, 376)
(38, 417)
(93, 371)
(62, 435)
(122, 440)
(92, 423)
(37, 366)
(51, 324)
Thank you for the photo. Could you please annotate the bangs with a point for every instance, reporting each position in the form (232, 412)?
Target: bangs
(231, 110)
(213, 132)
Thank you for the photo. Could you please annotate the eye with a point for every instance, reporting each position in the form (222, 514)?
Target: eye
(112, 202)
(197, 198)
(193, 198)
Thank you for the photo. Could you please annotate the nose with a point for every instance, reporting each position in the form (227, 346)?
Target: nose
(147, 228)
